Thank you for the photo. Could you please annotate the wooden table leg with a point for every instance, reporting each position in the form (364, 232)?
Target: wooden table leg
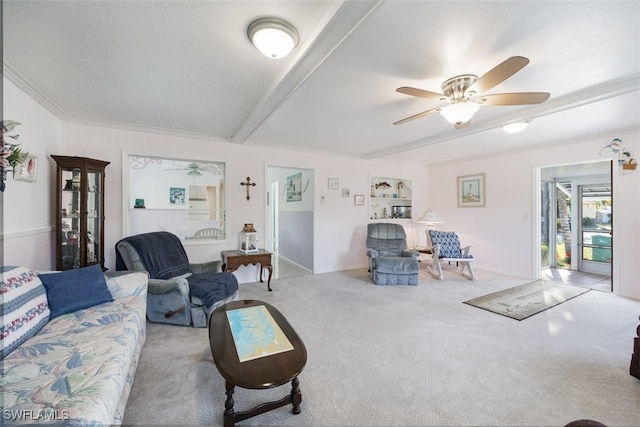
(270, 268)
(296, 395)
(229, 414)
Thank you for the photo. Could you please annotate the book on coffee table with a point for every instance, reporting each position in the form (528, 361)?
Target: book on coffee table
(256, 334)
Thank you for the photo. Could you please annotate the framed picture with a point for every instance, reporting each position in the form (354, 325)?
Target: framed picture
(346, 192)
(471, 191)
(177, 196)
(26, 171)
(358, 199)
(333, 183)
(294, 188)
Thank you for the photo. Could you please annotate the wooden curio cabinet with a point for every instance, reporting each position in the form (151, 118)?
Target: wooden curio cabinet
(79, 212)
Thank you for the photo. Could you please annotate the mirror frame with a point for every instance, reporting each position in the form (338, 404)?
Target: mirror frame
(126, 168)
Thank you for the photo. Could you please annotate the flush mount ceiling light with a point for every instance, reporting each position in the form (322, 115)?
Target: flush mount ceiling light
(273, 37)
(515, 127)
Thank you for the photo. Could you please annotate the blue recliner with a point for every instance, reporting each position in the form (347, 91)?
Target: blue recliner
(390, 263)
(180, 293)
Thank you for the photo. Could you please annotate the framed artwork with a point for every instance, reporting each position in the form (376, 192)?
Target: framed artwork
(358, 199)
(294, 187)
(27, 170)
(333, 183)
(471, 193)
(177, 196)
(346, 192)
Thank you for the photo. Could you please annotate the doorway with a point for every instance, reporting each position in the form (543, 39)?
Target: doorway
(576, 223)
(289, 218)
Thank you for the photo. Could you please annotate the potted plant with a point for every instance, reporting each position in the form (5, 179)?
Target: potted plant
(12, 154)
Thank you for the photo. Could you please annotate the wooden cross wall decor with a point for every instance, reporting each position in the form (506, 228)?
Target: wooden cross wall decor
(249, 184)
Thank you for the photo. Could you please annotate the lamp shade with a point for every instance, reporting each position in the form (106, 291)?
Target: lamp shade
(430, 217)
(459, 112)
(273, 37)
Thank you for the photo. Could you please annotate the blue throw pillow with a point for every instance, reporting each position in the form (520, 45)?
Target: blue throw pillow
(73, 290)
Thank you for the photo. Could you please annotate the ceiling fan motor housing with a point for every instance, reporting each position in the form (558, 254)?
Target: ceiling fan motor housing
(456, 87)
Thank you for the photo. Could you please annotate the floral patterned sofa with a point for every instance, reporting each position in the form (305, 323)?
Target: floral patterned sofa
(69, 347)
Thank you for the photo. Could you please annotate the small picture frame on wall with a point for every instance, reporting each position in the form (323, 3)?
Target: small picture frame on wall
(346, 192)
(27, 170)
(177, 195)
(471, 191)
(333, 183)
(358, 199)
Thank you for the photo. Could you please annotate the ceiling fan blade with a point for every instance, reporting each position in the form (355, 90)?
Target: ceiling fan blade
(420, 93)
(462, 125)
(519, 98)
(417, 116)
(499, 73)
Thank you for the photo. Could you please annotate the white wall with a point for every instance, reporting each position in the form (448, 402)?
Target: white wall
(503, 233)
(27, 207)
(339, 225)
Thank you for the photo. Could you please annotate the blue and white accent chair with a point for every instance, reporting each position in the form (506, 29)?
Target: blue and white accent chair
(446, 247)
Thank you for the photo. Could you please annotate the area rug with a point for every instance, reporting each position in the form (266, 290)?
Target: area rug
(526, 300)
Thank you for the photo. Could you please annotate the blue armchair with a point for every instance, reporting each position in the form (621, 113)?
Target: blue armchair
(446, 247)
(390, 263)
(179, 292)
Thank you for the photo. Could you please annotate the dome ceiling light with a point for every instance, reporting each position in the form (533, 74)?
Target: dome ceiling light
(515, 127)
(273, 37)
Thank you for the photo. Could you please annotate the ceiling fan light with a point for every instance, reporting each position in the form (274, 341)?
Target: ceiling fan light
(515, 127)
(273, 37)
(459, 112)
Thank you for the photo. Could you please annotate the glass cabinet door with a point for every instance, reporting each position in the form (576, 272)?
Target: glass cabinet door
(71, 219)
(94, 216)
(80, 212)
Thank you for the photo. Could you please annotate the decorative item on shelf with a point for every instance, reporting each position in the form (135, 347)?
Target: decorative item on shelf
(248, 239)
(64, 212)
(68, 185)
(76, 182)
(400, 193)
(630, 165)
(139, 204)
(12, 154)
(248, 184)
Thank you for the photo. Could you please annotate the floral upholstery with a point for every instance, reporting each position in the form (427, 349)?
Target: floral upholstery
(78, 369)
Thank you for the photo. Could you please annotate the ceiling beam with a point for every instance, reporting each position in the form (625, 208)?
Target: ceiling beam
(554, 105)
(343, 22)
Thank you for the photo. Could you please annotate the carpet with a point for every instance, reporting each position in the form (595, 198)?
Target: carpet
(526, 300)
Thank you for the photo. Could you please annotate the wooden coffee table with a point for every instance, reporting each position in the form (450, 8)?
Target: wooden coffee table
(261, 373)
(232, 260)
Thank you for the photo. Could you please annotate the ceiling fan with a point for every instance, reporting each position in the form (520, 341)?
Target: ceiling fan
(196, 169)
(464, 94)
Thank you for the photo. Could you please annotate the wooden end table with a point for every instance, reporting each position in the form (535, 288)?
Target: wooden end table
(261, 373)
(232, 260)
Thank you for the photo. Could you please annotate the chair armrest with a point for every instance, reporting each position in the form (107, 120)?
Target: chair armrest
(409, 253)
(160, 286)
(206, 267)
(123, 284)
(372, 253)
(435, 251)
(465, 250)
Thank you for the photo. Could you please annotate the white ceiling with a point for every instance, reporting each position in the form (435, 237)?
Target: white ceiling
(187, 67)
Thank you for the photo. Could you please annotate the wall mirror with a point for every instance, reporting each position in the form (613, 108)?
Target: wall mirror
(185, 197)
